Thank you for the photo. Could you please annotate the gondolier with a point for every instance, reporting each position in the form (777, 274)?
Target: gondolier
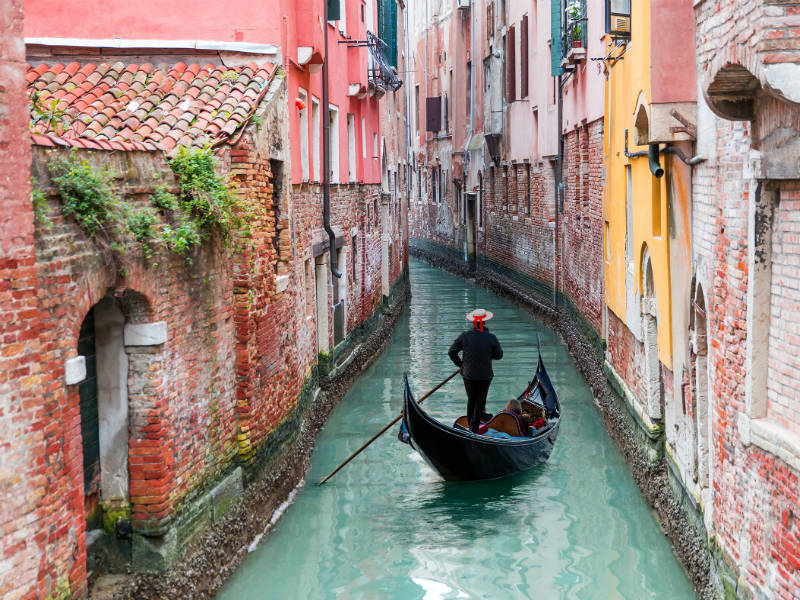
(478, 347)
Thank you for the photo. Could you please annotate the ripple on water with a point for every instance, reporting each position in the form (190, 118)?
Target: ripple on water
(386, 526)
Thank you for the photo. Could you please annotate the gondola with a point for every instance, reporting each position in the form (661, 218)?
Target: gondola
(457, 454)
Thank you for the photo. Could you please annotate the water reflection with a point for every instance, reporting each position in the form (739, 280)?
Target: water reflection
(386, 526)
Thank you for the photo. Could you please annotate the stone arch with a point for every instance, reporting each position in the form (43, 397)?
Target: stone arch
(641, 120)
(649, 314)
(731, 88)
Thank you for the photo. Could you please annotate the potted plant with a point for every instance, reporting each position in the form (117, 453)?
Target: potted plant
(576, 36)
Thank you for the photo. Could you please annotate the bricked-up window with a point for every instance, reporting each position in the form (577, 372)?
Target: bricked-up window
(523, 57)
(528, 186)
(506, 199)
(433, 114)
(309, 272)
(511, 65)
(355, 257)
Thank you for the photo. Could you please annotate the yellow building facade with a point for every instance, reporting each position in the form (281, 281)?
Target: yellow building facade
(647, 144)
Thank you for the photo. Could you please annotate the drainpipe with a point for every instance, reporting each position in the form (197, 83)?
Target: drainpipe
(559, 191)
(326, 151)
(472, 225)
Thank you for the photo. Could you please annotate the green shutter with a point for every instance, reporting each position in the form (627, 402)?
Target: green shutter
(387, 28)
(333, 10)
(555, 37)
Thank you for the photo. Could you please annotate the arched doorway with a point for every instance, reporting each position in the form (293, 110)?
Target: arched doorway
(104, 422)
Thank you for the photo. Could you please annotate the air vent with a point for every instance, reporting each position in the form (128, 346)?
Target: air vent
(620, 24)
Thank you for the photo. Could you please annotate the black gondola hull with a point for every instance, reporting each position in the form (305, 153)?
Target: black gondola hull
(460, 455)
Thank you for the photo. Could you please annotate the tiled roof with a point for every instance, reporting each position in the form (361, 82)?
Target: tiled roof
(139, 107)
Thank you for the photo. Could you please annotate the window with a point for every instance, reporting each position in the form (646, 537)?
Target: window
(433, 185)
(523, 57)
(315, 129)
(304, 134)
(417, 107)
(443, 185)
(387, 28)
(375, 145)
(618, 18)
(343, 16)
(445, 102)
(351, 146)
(363, 137)
(480, 200)
(333, 119)
(309, 281)
(511, 65)
(490, 20)
(469, 87)
(433, 114)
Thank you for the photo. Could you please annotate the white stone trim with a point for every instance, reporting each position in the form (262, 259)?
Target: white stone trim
(771, 437)
(163, 44)
(74, 370)
(145, 334)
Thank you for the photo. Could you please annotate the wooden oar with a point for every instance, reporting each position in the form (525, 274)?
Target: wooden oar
(382, 431)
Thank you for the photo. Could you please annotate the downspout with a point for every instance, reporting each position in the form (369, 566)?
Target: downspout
(559, 192)
(326, 151)
(473, 225)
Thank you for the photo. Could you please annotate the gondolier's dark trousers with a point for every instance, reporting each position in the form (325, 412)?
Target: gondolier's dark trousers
(477, 390)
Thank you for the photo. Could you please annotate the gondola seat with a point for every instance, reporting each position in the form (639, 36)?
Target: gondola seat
(508, 422)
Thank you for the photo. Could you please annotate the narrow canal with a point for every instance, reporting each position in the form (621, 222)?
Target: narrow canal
(387, 527)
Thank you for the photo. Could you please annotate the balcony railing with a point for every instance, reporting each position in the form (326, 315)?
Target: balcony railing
(381, 73)
(573, 37)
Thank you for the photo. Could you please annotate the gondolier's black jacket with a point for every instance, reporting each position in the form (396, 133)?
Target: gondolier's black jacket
(479, 348)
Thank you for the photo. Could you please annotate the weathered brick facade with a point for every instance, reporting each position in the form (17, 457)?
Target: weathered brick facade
(745, 233)
(581, 225)
(216, 351)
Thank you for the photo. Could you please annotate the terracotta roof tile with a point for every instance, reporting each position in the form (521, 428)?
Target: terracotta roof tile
(147, 107)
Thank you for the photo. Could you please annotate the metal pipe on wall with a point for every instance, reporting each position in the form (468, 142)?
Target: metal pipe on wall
(326, 150)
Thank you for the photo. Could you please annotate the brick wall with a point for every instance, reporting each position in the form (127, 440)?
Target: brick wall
(783, 400)
(755, 491)
(626, 355)
(28, 524)
(582, 221)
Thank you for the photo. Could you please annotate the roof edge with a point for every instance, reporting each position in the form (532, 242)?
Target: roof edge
(244, 47)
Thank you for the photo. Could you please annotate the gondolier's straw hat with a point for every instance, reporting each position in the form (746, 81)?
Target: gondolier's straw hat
(478, 316)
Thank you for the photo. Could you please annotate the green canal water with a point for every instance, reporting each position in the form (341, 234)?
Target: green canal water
(386, 526)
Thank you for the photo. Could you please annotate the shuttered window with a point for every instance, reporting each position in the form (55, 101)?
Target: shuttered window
(511, 65)
(523, 57)
(433, 114)
(555, 37)
(387, 28)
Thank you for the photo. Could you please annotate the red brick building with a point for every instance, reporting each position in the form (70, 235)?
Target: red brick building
(148, 383)
(745, 299)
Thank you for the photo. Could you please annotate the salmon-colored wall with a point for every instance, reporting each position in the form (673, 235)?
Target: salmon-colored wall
(229, 21)
(286, 24)
(673, 78)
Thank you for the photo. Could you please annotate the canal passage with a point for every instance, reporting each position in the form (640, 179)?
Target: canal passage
(386, 526)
